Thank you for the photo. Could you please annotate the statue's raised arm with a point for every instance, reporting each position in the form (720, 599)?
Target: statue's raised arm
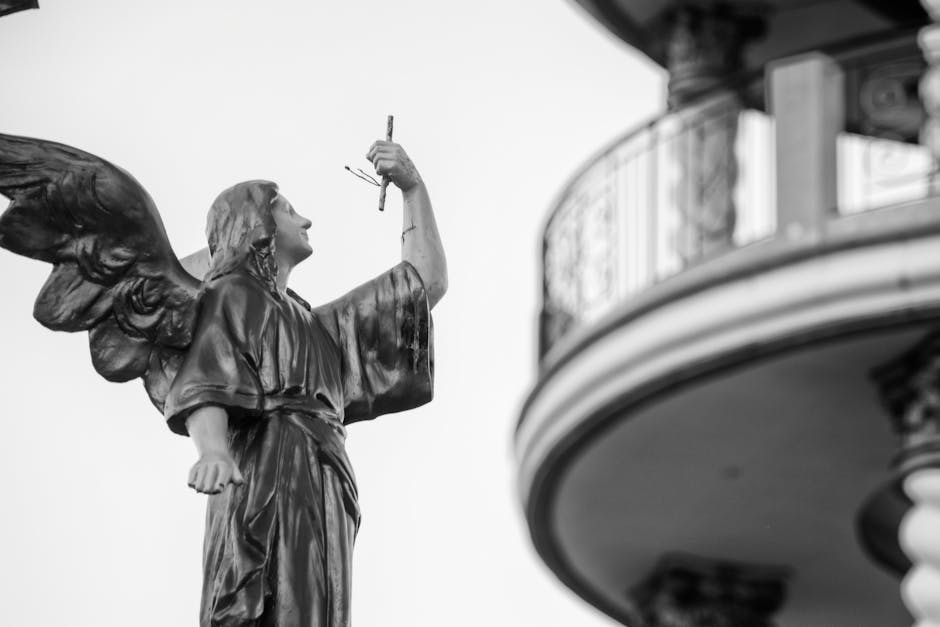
(420, 242)
(114, 273)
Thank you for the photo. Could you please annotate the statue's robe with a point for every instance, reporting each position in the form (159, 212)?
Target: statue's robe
(278, 549)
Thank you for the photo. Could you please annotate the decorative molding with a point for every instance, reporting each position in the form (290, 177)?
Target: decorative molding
(881, 88)
(910, 391)
(704, 48)
(882, 99)
(688, 591)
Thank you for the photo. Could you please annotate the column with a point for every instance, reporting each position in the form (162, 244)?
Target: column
(703, 51)
(708, 166)
(920, 539)
(910, 389)
(808, 104)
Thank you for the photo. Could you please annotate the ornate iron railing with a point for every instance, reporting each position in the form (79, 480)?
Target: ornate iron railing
(700, 181)
(684, 187)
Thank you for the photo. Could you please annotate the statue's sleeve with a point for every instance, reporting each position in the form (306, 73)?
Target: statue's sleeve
(220, 364)
(383, 329)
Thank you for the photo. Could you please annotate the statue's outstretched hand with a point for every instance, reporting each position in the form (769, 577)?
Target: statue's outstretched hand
(391, 160)
(213, 472)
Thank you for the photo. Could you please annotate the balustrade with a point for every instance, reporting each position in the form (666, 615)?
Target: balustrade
(720, 173)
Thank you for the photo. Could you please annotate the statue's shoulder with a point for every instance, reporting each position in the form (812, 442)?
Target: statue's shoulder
(236, 279)
(236, 288)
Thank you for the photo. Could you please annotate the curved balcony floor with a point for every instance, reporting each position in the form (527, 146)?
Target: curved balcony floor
(727, 413)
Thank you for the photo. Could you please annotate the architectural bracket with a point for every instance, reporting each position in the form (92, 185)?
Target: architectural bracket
(689, 591)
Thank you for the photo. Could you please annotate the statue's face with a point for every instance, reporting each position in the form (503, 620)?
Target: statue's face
(291, 238)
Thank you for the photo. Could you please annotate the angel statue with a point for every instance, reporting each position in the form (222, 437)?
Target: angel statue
(262, 382)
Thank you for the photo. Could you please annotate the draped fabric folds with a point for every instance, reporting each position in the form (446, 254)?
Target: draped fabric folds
(278, 549)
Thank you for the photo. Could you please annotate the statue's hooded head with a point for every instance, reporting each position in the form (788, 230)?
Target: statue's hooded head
(241, 232)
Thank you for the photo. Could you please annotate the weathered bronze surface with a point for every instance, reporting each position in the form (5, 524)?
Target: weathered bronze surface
(262, 381)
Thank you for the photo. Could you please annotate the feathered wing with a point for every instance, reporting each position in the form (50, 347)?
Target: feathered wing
(114, 273)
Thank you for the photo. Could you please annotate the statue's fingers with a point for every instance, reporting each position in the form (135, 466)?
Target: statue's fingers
(389, 152)
(384, 166)
(191, 479)
(223, 476)
(237, 477)
(379, 155)
(375, 147)
(200, 480)
(210, 478)
(386, 147)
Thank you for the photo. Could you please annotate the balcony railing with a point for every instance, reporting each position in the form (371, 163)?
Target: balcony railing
(696, 183)
(686, 186)
(876, 172)
(881, 162)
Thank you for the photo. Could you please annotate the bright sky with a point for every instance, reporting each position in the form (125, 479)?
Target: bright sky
(497, 102)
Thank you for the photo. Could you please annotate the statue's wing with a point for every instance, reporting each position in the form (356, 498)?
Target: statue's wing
(114, 273)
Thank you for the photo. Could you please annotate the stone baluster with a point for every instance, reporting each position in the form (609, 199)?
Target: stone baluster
(920, 539)
(929, 41)
(910, 389)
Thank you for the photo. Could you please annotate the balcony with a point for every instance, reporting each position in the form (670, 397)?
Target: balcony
(692, 185)
(717, 287)
(624, 223)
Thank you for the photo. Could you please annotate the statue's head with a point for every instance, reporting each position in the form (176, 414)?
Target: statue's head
(291, 239)
(250, 225)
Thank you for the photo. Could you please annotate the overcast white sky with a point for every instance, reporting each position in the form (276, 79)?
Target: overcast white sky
(497, 102)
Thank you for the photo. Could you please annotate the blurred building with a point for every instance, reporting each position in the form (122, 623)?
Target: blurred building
(737, 400)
